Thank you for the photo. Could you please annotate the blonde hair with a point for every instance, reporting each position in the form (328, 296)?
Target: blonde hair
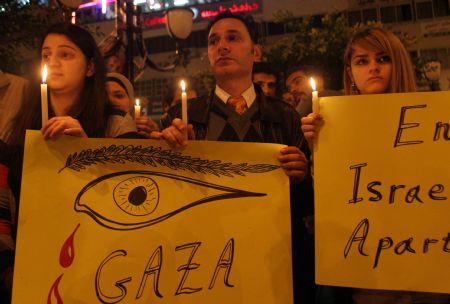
(381, 40)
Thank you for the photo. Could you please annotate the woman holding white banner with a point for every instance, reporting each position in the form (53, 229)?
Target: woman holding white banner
(375, 62)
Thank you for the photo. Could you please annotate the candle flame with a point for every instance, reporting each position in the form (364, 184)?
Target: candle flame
(44, 74)
(313, 83)
(183, 86)
(137, 102)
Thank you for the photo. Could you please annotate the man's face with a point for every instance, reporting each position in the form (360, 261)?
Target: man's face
(298, 85)
(231, 51)
(267, 82)
(114, 64)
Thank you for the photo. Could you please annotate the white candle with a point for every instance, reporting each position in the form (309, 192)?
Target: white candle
(315, 96)
(137, 109)
(44, 97)
(184, 116)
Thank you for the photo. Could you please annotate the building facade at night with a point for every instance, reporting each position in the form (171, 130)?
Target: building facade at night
(429, 19)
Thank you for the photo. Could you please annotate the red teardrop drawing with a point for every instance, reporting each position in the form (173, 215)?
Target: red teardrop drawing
(54, 291)
(67, 254)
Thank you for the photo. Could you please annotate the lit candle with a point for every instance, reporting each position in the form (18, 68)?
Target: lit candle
(184, 115)
(137, 109)
(315, 96)
(44, 97)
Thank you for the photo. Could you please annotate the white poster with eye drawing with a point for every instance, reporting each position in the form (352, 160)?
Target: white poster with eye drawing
(381, 178)
(132, 221)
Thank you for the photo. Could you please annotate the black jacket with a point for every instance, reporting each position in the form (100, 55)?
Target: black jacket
(280, 123)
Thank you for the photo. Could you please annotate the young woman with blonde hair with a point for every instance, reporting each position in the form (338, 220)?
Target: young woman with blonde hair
(376, 62)
(386, 51)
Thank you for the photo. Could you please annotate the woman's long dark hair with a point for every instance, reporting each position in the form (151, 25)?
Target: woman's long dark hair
(90, 106)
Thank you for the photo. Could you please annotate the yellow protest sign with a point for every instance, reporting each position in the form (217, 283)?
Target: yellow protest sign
(382, 172)
(131, 221)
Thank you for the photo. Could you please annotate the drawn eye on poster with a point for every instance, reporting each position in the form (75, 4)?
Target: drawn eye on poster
(132, 221)
(137, 194)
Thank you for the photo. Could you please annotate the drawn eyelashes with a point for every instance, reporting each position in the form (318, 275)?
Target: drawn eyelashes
(138, 201)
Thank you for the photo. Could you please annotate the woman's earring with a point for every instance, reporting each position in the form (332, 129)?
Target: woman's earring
(354, 87)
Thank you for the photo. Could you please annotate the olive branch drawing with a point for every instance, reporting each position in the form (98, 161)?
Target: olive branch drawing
(156, 156)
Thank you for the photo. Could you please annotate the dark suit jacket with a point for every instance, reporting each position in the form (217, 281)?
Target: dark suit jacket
(279, 121)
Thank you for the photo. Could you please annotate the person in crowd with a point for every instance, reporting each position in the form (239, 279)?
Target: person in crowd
(12, 91)
(77, 96)
(7, 230)
(266, 78)
(113, 53)
(121, 97)
(115, 63)
(368, 72)
(375, 62)
(238, 111)
(299, 87)
(120, 93)
(299, 91)
(288, 98)
(77, 102)
(77, 99)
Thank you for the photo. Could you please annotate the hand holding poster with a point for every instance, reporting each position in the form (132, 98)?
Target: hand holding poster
(382, 172)
(131, 221)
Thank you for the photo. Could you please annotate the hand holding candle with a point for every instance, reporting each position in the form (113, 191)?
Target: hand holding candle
(315, 96)
(184, 116)
(137, 109)
(44, 97)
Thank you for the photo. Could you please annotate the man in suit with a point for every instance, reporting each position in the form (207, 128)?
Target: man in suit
(299, 87)
(239, 111)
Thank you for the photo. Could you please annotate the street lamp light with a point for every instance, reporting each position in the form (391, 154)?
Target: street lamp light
(179, 26)
(179, 22)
